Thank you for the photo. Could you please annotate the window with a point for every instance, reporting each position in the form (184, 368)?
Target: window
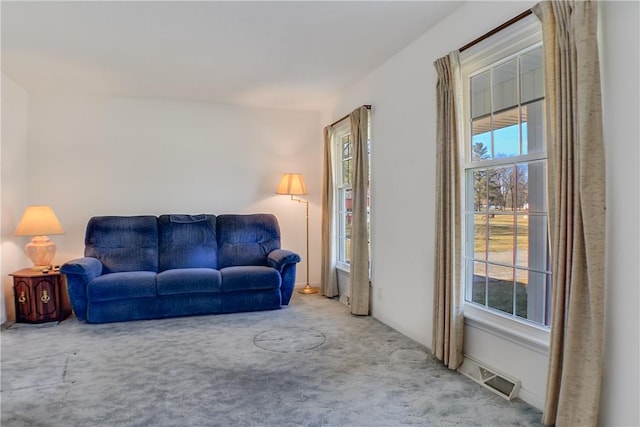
(506, 244)
(343, 193)
(343, 154)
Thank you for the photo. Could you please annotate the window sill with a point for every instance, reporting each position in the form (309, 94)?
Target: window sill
(343, 267)
(527, 335)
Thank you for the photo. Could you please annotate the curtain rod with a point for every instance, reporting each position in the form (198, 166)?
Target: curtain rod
(347, 115)
(495, 30)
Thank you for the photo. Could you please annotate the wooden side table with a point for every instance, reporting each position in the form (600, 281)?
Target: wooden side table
(39, 297)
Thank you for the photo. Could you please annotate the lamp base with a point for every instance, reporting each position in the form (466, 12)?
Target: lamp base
(308, 290)
(40, 251)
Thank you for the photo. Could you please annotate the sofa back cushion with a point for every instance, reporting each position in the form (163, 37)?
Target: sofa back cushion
(246, 239)
(123, 243)
(187, 241)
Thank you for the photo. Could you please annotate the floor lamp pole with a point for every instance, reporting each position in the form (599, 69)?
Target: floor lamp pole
(307, 289)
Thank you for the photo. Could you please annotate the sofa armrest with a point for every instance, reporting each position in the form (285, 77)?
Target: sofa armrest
(79, 273)
(88, 268)
(280, 258)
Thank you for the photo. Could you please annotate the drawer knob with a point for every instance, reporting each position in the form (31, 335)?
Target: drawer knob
(22, 298)
(45, 298)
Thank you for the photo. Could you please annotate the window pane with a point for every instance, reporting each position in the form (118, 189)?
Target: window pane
(480, 95)
(344, 224)
(480, 196)
(533, 128)
(531, 83)
(522, 188)
(538, 243)
(505, 86)
(347, 225)
(346, 159)
(533, 242)
(506, 134)
(348, 201)
(346, 146)
(478, 293)
(501, 238)
(535, 291)
(500, 292)
(522, 280)
(347, 240)
(341, 223)
(342, 257)
(469, 194)
(346, 171)
(501, 188)
(533, 186)
(522, 244)
(547, 302)
(481, 139)
(480, 236)
(469, 235)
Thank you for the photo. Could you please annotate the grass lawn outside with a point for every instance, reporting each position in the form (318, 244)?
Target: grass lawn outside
(500, 295)
(507, 243)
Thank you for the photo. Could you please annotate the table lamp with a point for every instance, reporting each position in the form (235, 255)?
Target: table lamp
(38, 221)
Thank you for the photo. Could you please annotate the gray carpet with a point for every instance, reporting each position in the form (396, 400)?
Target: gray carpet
(310, 364)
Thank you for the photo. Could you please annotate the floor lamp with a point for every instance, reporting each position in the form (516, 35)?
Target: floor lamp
(292, 184)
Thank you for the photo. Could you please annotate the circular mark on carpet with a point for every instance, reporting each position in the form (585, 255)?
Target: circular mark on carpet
(408, 355)
(289, 340)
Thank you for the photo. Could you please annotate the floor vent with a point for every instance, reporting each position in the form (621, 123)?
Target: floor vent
(490, 378)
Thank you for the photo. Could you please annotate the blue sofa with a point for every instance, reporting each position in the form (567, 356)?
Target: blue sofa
(145, 267)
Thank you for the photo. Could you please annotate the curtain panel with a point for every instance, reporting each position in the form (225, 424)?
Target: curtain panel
(359, 269)
(448, 321)
(576, 171)
(329, 281)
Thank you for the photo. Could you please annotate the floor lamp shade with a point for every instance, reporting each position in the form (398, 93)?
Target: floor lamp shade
(38, 221)
(293, 184)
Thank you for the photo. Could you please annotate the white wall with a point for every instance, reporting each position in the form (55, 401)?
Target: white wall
(402, 95)
(619, 54)
(13, 192)
(123, 156)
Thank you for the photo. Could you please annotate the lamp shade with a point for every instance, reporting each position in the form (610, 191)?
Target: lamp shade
(293, 184)
(38, 221)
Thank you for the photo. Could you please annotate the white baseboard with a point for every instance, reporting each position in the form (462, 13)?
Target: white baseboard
(532, 399)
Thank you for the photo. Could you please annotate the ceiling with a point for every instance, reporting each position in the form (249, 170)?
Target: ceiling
(270, 54)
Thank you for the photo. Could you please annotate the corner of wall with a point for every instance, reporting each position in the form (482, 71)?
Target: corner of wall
(13, 187)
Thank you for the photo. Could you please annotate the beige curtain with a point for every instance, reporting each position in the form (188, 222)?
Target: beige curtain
(448, 321)
(328, 278)
(576, 211)
(359, 269)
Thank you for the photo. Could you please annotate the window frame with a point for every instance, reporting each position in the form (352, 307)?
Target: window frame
(502, 47)
(342, 129)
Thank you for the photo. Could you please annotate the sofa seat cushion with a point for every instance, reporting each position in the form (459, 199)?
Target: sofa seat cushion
(246, 278)
(126, 285)
(182, 281)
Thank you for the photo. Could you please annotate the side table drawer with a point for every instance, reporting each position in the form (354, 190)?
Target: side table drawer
(38, 297)
(37, 301)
